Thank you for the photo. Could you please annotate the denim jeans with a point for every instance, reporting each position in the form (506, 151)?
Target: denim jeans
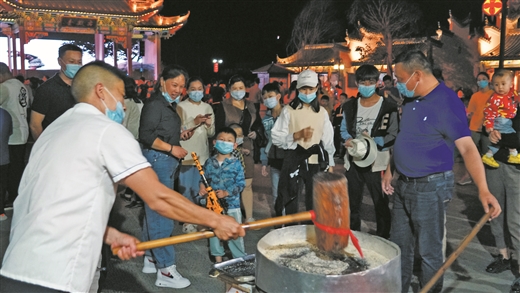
(418, 219)
(189, 182)
(156, 226)
(235, 245)
(504, 126)
(275, 178)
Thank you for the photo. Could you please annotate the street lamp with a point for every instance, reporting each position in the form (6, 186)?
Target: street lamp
(216, 62)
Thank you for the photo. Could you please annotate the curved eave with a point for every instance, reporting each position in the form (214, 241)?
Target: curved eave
(136, 15)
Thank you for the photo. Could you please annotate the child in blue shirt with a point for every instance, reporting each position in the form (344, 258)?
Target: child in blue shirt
(226, 176)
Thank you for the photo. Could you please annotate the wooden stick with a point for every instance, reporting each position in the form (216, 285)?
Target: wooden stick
(299, 217)
(458, 251)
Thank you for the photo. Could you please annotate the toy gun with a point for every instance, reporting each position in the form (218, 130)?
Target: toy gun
(213, 203)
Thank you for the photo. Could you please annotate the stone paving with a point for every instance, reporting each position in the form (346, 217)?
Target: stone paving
(467, 274)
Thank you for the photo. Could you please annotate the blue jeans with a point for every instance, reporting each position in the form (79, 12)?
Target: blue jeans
(189, 183)
(504, 126)
(235, 245)
(418, 219)
(275, 178)
(156, 226)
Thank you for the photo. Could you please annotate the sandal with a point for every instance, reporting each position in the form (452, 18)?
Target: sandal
(499, 265)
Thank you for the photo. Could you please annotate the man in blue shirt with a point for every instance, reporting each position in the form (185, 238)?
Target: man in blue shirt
(433, 123)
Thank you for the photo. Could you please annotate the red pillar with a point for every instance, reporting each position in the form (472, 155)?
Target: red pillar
(157, 67)
(129, 68)
(15, 53)
(99, 40)
(21, 33)
(114, 52)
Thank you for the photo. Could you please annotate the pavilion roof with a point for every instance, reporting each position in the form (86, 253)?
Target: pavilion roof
(113, 7)
(512, 49)
(273, 68)
(319, 54)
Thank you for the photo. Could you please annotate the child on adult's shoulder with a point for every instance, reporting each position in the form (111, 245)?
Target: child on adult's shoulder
(501, 108)
(225, 174)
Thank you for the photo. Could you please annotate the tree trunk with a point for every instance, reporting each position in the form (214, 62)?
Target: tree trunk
(388, 43)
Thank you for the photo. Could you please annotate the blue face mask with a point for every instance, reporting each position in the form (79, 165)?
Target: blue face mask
(196, 96)
(71, 70)
(224, 147)
(307, 99)
(116, 115)
(169, 99)
(405, 91)
(366, 91)
(271, 102)
(238, 95)
(483, 83)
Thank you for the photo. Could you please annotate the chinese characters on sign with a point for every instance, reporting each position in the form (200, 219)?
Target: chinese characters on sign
(78, 22)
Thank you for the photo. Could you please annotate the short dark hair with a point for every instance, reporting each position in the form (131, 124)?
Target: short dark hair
(387, 77)
(271, 87)
(68, 47)
(234, 79)
(194, 79)
(503, 72)
(344, 95)
(173, 71)
(325, 97)
(483, 73)
(130, 88)
(226, 130)
(414, 60)
(367, 72)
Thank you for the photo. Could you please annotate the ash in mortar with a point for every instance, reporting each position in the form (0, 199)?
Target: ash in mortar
(309, 259)
(245, 268)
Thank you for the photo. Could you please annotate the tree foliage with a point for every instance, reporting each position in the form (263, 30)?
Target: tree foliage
(392, 18)
(317, 23)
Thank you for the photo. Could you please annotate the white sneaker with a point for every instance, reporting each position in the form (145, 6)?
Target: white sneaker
(3, 217)
(189, 228)
(149, 266)
(172, 279)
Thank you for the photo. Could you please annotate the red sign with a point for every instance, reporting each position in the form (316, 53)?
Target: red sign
(492, 7)
(215, 67)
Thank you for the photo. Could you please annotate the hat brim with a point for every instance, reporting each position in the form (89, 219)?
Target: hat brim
(370, 157)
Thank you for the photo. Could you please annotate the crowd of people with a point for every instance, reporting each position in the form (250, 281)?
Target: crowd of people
(95, 128)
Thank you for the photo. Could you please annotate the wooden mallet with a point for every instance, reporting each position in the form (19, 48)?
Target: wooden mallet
(260, 224)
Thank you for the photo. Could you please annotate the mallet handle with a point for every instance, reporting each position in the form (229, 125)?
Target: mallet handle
(457, 251)
(256, 225)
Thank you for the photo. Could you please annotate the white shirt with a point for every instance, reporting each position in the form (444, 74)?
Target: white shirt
(366, 116)
(65, 197)
(14, 98)
(284, 128)
(198, 143)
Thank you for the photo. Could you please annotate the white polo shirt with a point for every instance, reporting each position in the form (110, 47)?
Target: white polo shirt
(65, 197)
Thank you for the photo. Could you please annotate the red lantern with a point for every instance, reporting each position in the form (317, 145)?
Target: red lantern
(492, 7)
(215, 67)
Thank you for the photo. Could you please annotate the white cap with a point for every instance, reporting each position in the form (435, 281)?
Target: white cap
(363, 150)
(307, 78)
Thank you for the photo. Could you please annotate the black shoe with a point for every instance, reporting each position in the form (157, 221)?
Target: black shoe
(8, 205)
(499, 265)
(134, 204)
(515, 287)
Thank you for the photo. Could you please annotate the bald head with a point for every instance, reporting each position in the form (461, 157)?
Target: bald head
(93, 73)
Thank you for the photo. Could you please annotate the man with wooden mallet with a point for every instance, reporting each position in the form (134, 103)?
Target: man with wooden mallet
(67, 191)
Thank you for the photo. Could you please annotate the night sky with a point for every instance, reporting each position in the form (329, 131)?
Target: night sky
(243, 33)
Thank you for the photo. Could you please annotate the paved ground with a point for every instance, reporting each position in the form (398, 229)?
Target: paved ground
(467, 274)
